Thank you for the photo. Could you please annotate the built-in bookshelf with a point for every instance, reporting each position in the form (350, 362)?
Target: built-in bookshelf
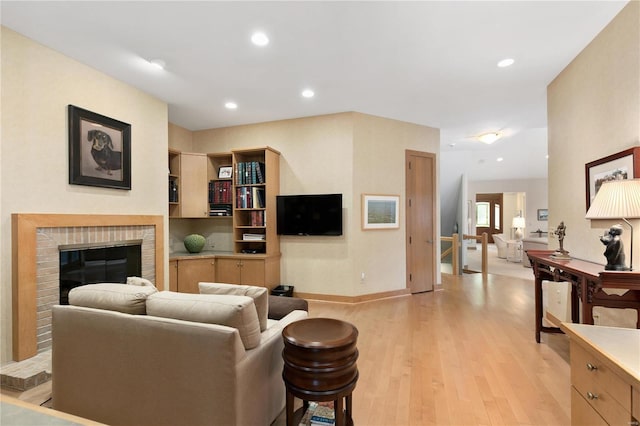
(220, 185)
(256, 179)
(174, 183)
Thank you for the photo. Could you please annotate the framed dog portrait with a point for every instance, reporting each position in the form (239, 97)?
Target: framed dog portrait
(99, 150)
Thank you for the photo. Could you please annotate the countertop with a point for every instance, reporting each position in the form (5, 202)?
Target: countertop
(620, 345)
(177, 255)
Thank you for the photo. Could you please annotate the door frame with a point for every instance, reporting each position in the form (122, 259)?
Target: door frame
(434, 220)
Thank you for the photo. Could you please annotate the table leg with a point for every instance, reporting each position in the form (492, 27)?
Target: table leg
(289, 408)
(338, 409)
(349, 417)
(575, 304)
(538, 309)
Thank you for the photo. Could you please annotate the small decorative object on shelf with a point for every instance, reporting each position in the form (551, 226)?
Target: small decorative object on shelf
(561, 253)
(615, 250)
(194, 243)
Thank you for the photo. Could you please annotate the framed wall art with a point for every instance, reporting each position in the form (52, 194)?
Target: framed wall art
(543, 215)
(225, 172)
(380, 211)
(99, 150)
(622, 165)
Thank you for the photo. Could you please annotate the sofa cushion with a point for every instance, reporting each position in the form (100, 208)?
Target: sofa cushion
(234, 311)
(112, 296)
(259, 295)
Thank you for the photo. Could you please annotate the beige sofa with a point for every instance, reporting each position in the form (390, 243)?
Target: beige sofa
(130, 355)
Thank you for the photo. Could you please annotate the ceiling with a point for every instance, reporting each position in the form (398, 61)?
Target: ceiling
(427, 62)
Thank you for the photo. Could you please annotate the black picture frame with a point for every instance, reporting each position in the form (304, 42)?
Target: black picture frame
(99, 150)
(621, 165)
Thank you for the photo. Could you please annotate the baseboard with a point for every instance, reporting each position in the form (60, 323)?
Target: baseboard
(353, 299)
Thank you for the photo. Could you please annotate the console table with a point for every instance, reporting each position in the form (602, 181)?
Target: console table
(587, 280)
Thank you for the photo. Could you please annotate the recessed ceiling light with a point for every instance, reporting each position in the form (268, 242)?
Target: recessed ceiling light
(452, 144)
(499, 159)
(231, 105)
(506, 62)
(259, 39)
(158, 63)
(489, 138)
(308, 93)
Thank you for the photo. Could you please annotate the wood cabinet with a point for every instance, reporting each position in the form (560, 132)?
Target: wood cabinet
(250, 183)
(185, 274)
(605, 374)
(193, 177)
(261, 271)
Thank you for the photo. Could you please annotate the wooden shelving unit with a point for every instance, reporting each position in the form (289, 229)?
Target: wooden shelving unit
(174, 183)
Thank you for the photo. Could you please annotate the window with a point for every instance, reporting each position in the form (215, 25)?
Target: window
(497, 220)
(482, 214)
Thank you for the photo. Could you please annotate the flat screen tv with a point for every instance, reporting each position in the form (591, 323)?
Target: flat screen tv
(309, 214)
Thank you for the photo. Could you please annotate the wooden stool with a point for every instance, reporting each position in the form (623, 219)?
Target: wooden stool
(320, 365)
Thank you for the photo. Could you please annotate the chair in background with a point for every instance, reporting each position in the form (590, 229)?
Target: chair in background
(501, 245)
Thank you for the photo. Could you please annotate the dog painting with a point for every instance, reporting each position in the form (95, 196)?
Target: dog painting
(103, 152)
(99, 150)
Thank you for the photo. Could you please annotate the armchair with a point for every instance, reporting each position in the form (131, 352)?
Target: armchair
(501, 245)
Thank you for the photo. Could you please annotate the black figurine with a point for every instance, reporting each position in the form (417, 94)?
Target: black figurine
(615, 250)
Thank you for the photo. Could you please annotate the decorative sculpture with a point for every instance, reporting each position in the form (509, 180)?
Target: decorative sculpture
(615, 250)
(561, 253)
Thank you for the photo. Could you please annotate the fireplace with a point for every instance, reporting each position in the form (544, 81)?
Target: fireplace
(36, 243)
(97, 263)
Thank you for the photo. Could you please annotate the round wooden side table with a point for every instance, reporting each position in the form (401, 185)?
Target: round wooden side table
(320, 365)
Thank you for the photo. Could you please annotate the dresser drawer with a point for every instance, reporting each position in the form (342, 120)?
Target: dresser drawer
(599, 386)
(583, 414)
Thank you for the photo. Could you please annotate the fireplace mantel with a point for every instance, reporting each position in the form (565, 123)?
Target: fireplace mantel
(24, 228)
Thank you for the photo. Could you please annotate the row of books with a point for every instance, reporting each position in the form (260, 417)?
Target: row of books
(220, 192)
(257, 218)
(250, 198)
(319, 414)
(220, 210)
(249, 173)
(253, 237)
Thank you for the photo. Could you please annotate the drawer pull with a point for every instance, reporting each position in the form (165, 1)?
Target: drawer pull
(591, 367)
(592, 396)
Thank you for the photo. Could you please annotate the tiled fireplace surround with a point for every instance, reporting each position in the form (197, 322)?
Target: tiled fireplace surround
(35, 264)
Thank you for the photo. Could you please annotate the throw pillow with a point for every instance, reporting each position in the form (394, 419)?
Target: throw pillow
(260, 296)
(139, 281)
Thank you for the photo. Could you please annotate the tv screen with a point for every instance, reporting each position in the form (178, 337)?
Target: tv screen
(313, 214)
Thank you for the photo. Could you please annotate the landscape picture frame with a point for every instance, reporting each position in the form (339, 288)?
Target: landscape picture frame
(543, 215)
(621, 165)
(99, 150)
(380, 211)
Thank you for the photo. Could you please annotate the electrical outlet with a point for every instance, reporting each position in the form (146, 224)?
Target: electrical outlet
(362, 277)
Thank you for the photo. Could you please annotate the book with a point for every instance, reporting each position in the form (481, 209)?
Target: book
(323, 414)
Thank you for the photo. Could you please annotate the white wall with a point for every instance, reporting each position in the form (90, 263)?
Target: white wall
(37, 85)
(346, 153)
(594, 110)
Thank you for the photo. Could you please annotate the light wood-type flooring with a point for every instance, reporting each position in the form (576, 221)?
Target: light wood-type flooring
(464, 354)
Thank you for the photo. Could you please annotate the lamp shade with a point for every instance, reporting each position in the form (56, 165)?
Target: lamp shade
(518, 222)
(616, 199)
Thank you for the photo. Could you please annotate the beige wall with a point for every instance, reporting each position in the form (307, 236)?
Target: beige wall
(180, 138)
(593, 109)
(344, 153)
(37, 85)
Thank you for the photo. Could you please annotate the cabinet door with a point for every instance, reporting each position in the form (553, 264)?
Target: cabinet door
(583, 414)
(228, 270)
(173, 275)
(192, 271)
(194, 192)
(252, 272)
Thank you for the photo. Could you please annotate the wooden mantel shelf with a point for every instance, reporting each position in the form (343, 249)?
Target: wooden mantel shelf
(24, 227)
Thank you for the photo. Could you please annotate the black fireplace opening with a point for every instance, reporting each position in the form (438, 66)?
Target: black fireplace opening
(81, 265)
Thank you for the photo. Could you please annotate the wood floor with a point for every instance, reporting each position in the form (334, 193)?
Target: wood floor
(464, 354)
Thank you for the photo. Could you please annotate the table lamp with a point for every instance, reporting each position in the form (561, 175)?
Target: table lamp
(616, 199)
(518, 223)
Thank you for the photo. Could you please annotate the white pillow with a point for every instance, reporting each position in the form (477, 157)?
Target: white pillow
(139, 281)
(260, 296)
(113, 297)
(233, 311)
